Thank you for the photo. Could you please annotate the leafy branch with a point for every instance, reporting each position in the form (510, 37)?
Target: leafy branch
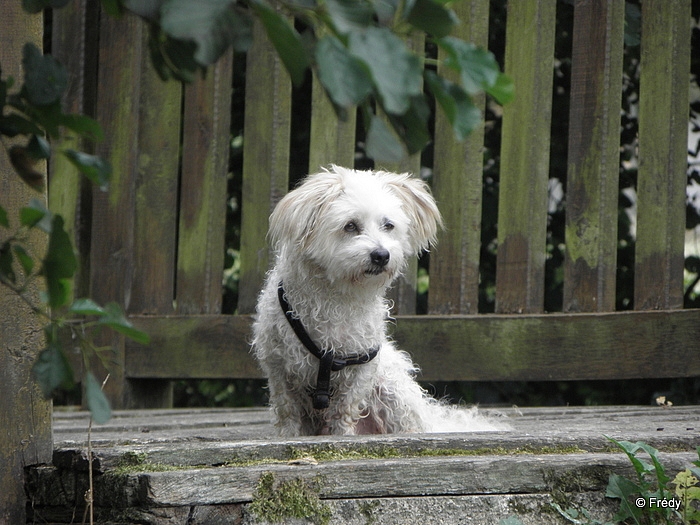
(358, 50)
(29, 119)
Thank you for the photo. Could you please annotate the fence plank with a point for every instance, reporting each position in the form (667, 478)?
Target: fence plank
(403, 291)
(618, 345)
(25, 417)
(265, 160)
(112, 250)
(202, 233)
(457, 186)
(593, 159)
(74, 44)
(522, 210)
(155, 203)
(663, 129)
(332, 141)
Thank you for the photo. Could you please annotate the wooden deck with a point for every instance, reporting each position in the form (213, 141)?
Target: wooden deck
(218, 466)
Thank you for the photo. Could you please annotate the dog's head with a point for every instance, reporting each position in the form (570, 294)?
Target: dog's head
(358, 226)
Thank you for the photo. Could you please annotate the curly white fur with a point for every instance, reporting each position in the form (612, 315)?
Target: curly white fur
(340, 239)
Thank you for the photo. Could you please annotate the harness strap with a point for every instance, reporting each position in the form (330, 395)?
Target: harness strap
(327, 360)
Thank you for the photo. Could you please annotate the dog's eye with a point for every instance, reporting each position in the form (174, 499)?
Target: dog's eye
(388, 226)
(351, 227)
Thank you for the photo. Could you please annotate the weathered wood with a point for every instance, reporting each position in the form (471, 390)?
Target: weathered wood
(203, 190)
(547, 453)
(25, 417)
(112, 249)
(621, 345)
(663, 131)
(166, 437)
(332, 141)
(265, 160)
(403, 292)
(74, 33)
(594, 156)
(457, 186)
(156, 192)
(522, 209)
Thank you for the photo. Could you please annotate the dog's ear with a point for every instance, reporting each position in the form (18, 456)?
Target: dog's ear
(296, 216)
(420, 207)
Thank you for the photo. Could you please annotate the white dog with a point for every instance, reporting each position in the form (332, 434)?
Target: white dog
(340, 240)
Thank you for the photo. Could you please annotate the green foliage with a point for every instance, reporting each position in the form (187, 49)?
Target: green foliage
(359, 49)
(648, 498)
(34, 113)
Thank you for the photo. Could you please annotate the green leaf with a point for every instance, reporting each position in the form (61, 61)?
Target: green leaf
(37, 215)
(477, 67)
(432, 18)
(623, 489)
(345, 79)
(45, 79)
(112, 7)
(59, 265)
(396, 72)
(382, 144)
(286, 41)
(93, 167)
(149, 9)
(52, 370)
(14, 124)
(349, 15)
(38, 148)
(25, 260)
(412, 126)
(6, 260)
(458, 107)
(172, 58)
(87, 307)
(385, 10)
(3, 218)
(503, 90)
(114, 318)
(96, 400)
(83, 125)
(214, 25)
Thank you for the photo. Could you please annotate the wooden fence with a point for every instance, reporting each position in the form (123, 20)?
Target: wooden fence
(155, 242)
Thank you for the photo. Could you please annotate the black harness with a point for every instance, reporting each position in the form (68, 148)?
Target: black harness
(327, 360)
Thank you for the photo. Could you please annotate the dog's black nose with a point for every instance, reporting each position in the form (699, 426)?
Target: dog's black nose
(379, 257)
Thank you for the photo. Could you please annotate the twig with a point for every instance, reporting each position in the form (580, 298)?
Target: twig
(89, 495)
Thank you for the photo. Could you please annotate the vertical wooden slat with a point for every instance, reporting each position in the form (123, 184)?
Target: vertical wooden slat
(74, 44)
(155, 222)
(457, 186)
(593, 161)
(205, 152)
(112, 251)
(265, 160)
(25, 417)
(663, 129)
(522, 210)
(403, 291)
(332, 141)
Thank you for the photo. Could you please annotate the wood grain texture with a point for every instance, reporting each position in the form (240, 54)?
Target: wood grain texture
(25, 416)
(332, 141)
(265, 160)
(593, 156)
(522, 209)
(663, 131)
(203, 190)
(457, 186)
(455, 348)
